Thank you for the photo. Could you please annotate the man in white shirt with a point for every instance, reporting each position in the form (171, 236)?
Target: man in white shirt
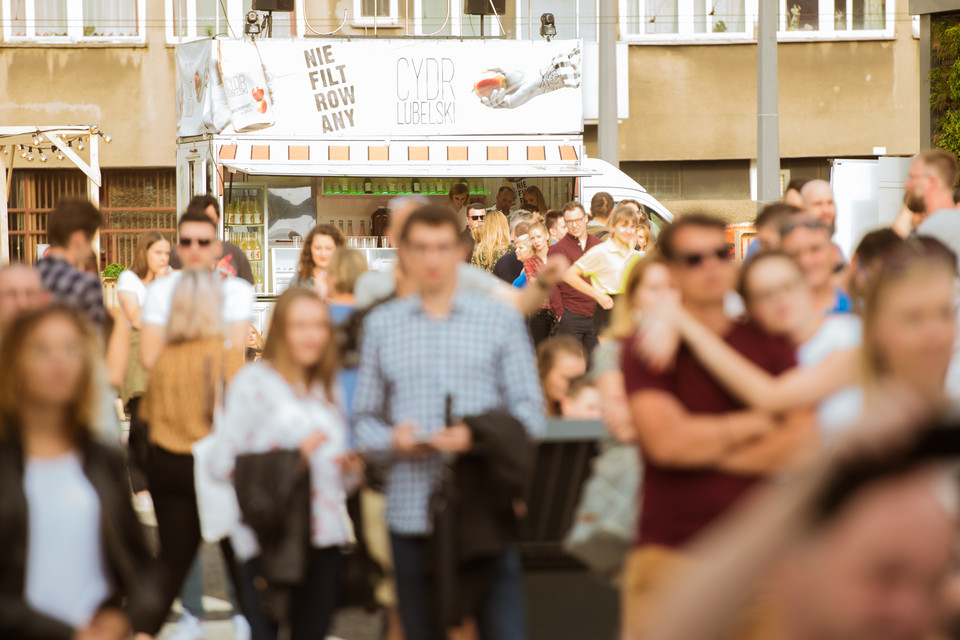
(198, 248)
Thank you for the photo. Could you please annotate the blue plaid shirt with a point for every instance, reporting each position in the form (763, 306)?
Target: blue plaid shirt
(73, 288)
(479, 355)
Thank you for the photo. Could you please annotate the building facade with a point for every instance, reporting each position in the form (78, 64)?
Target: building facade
(848, 87)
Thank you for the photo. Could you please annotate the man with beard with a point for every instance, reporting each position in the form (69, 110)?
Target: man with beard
(929, 187)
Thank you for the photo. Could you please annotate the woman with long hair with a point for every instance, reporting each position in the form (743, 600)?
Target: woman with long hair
(542, 321)
(75, 563)
(457, 199)
(908, 334)
(289, 400)
(534, 201)
(318, 248)
(492, 240)
(151, 262)
(560, 359)
(179, 406)
(648, 285)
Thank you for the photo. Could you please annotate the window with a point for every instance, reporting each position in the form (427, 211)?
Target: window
(836, 16)
(73, 20)
(446, 18)
(574, 18)
(193, 19)
(381, 12)
(685, 18)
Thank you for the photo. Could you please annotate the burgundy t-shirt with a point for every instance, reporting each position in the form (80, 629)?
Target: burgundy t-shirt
(570, 299)
(676, 504)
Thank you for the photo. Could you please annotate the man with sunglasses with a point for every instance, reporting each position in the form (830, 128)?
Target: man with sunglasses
(232, 260)
(703, 451)
(475, 216)
(575, 309)
(198, 248)
(807, 240)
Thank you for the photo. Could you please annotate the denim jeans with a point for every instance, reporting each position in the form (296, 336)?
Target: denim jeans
(501, 614)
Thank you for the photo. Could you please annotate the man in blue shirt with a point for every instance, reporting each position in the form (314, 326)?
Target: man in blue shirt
(414, 358)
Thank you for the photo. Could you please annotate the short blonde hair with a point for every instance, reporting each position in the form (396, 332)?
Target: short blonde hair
(346, 266)
(196, 310)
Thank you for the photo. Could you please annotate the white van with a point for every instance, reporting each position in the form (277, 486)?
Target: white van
(621, 187)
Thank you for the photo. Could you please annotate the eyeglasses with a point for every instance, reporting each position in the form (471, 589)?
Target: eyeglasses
(478, 217)
(575, 221)
(691, 260)
(203, 242)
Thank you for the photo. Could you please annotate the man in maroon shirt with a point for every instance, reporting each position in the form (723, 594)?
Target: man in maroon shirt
(574, 309)
(702, 449)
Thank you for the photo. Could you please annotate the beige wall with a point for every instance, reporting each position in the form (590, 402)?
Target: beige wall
(127, 90)
(836, 99)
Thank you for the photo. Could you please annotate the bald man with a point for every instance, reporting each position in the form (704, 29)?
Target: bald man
(21, 289)
(818, 202)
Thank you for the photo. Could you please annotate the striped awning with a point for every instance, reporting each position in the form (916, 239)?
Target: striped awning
(460, 157)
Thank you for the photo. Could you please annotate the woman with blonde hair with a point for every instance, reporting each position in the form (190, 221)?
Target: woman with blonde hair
(290, 400)
(492, 241)
(534, 201)
(179, 406)
(75, 563)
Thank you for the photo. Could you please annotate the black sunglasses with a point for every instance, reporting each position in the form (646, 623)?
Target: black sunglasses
(477, 217)
(203, 242)
(696, 259)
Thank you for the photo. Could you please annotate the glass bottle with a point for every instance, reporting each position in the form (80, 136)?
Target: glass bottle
(349, 227)
(367, 185)
(416, 185)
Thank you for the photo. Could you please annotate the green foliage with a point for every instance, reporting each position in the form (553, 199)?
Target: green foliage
(113, 271)
(945, 81)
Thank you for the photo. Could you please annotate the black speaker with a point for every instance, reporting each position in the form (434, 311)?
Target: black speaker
(275, 5)
(482, 7)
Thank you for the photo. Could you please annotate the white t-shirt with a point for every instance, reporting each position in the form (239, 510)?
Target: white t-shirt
(131, 283)
(237, 299)
(66, 575)
(841, 410)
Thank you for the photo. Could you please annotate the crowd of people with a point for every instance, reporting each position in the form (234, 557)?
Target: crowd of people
(373, 442)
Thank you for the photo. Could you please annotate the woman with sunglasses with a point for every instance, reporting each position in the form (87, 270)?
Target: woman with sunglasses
(908, 334)
(605, 265)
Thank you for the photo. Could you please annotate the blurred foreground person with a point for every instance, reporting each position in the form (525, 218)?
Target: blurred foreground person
(560, 359)
(447, 376)
(861, 549)
(289, 400)
(703, 451)
(75, 563)
(179, 407)
(807, 240)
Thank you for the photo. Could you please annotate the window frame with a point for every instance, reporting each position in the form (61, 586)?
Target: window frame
(456, 21)
(74, 25)
(234, 21)
(827, 27)
(360, 20)
(533, 30)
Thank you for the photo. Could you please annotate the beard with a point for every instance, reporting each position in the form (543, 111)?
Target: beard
(915, 203)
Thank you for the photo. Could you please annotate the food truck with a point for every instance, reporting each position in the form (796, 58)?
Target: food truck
(289, 133)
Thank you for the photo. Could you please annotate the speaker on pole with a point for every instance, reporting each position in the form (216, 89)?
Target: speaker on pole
(483, 8)
(275, 5)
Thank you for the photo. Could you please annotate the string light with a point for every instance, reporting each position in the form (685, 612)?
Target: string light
(30, 154)
(37, 139)
(43, 158)
(59, 153)
(106, 138)
(80, 144)
(23, 154)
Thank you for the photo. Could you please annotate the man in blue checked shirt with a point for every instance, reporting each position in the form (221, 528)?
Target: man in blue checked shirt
(443, 341)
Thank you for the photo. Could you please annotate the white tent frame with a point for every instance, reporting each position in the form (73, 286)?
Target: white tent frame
(55, 135)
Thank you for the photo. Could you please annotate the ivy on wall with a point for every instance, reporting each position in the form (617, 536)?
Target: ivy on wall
(945, 81)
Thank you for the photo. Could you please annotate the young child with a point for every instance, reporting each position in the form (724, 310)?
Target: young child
(582, 401)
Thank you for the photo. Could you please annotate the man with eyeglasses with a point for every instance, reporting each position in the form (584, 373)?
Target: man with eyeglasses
(198, 248)
(703, 450)
(575, 309)
(475, 216)
(807, 240)
(929, 186)
(420, 386)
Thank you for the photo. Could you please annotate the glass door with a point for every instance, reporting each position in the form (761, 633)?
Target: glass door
(245, 224)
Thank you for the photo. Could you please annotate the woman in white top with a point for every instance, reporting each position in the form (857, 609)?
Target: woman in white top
(151, 262)
(289, 400)
(606, 264)
(74, 561)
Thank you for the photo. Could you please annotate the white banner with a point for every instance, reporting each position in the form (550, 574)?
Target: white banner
(379, 87)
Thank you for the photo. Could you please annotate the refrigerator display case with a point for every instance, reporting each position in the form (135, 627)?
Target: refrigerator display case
(245, 221)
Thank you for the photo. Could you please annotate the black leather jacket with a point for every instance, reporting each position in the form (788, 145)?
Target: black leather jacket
(128, 558)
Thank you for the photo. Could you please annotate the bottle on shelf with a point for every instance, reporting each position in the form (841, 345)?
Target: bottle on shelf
(349, 227)
(363, 228)
(367, 185)
(340, 225)
(257, 248)
(415, 185)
